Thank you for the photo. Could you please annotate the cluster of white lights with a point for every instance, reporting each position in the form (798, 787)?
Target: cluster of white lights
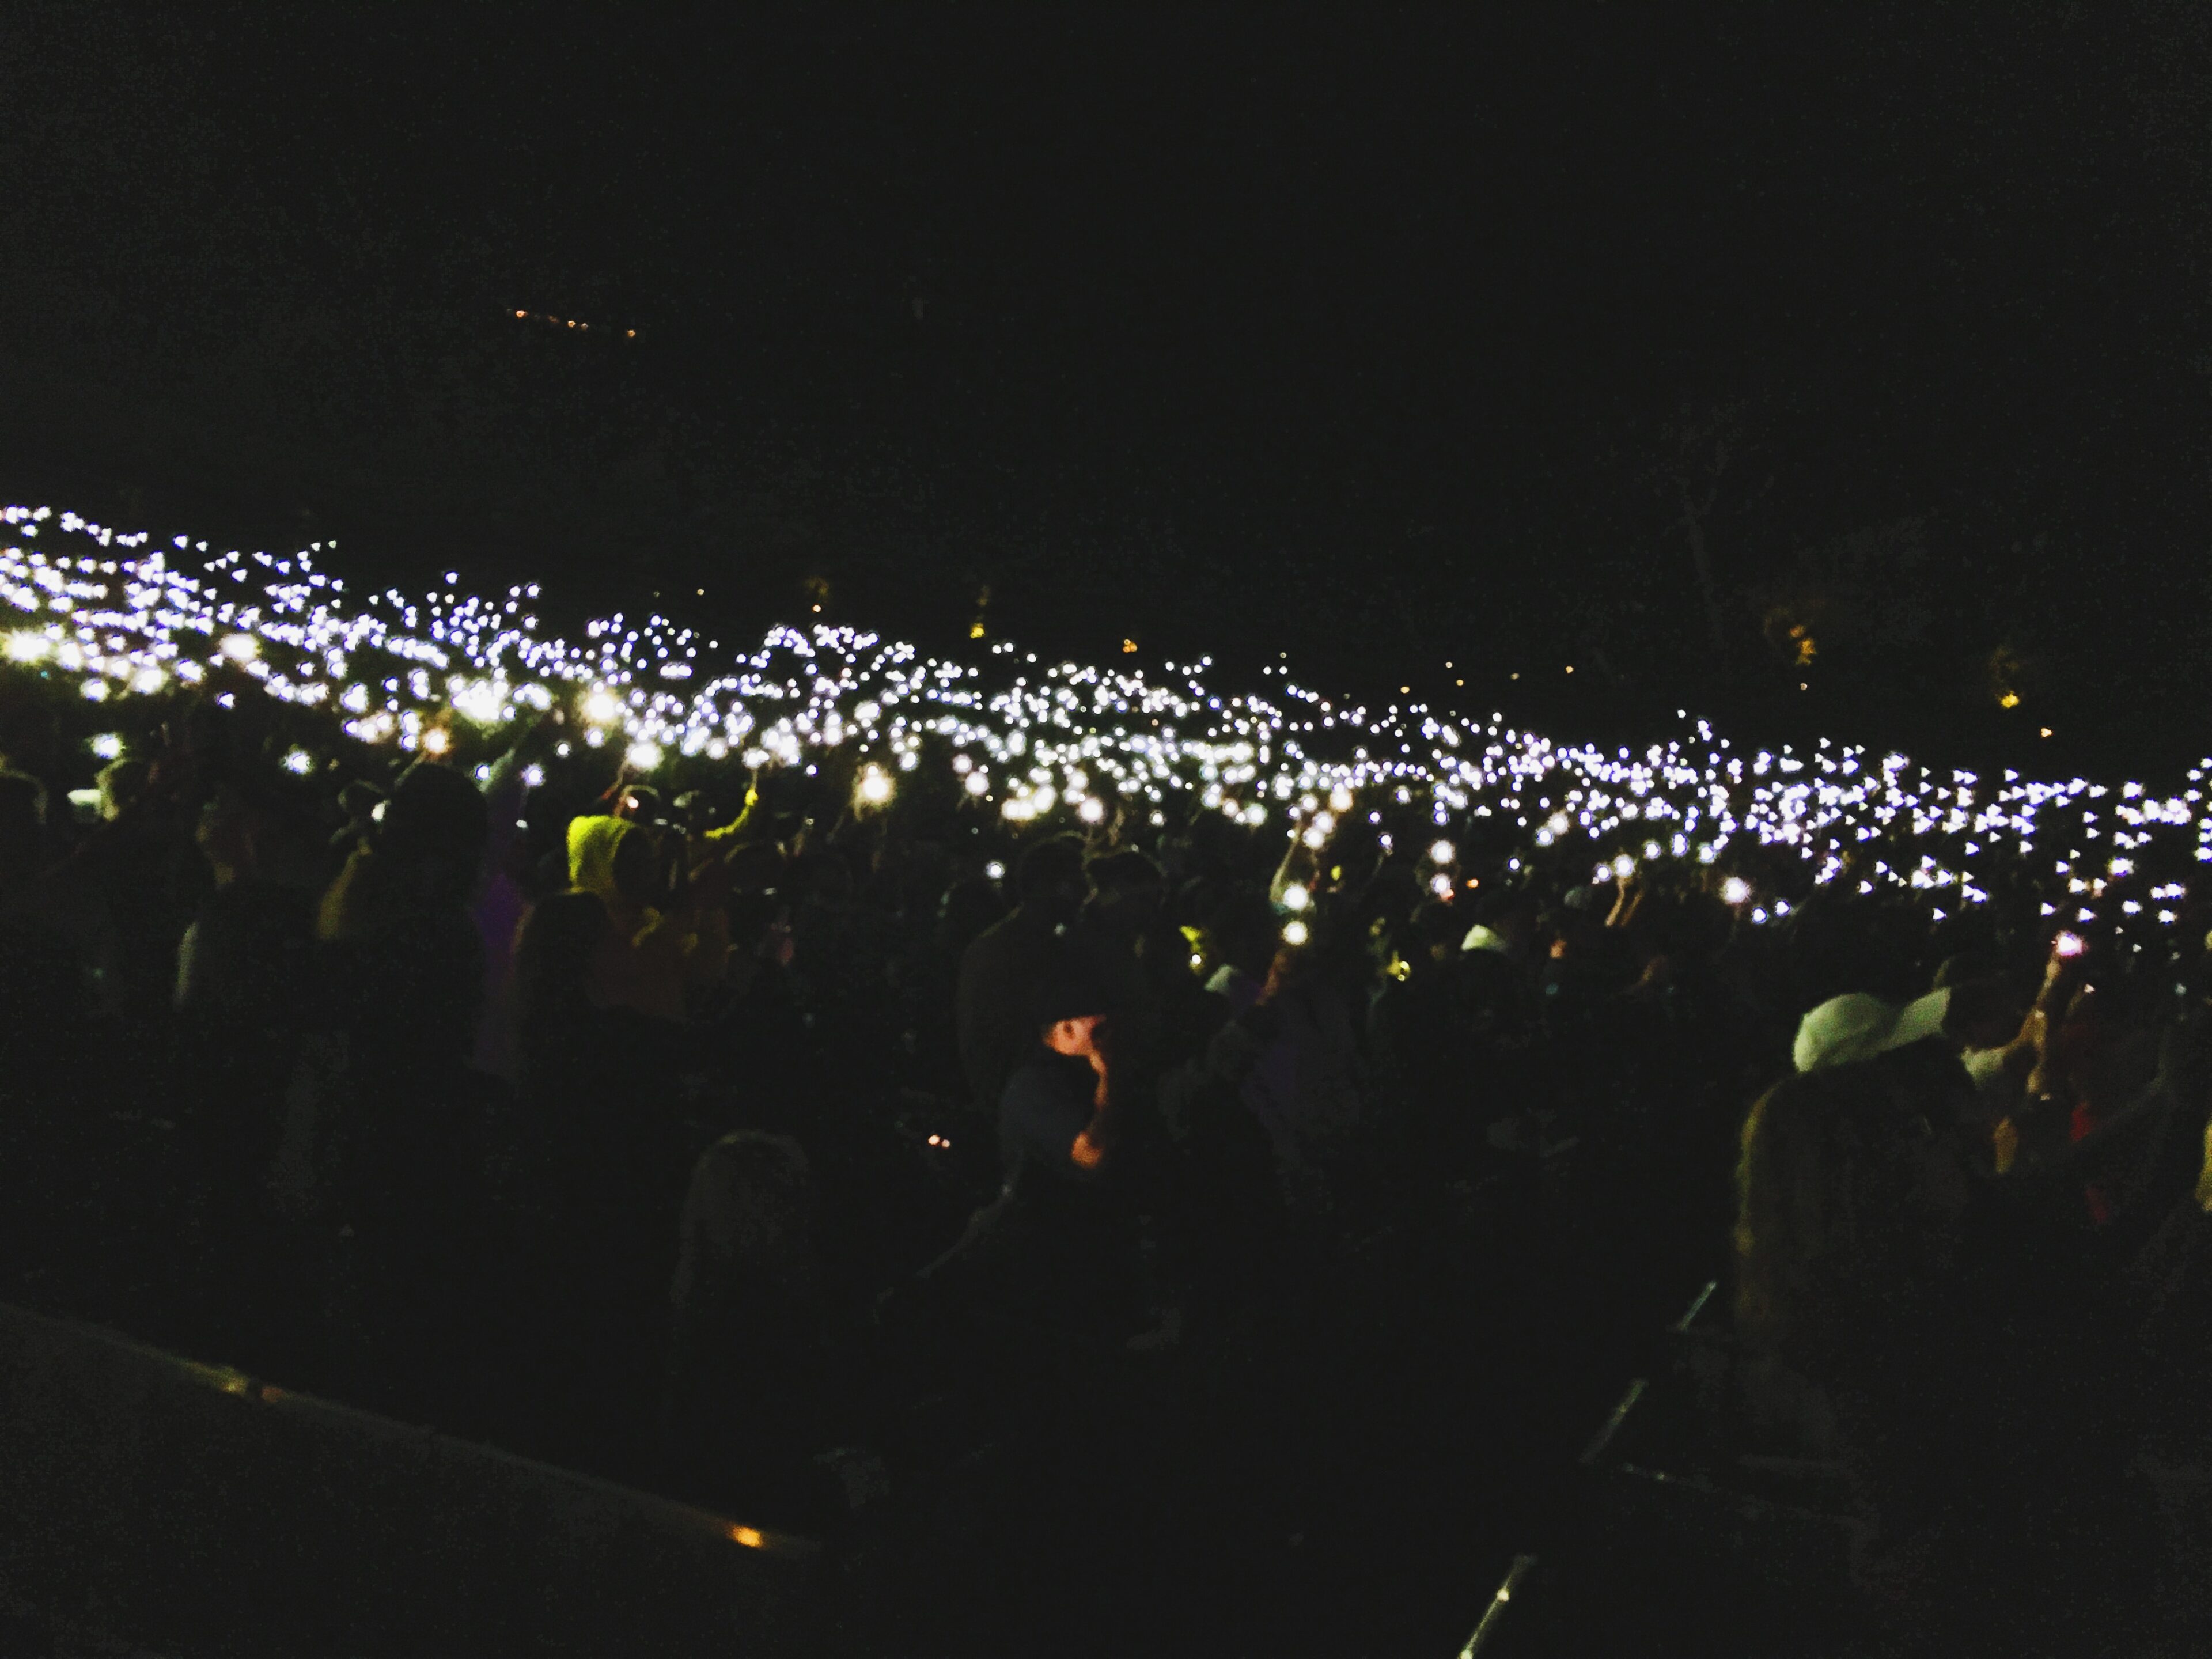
(119, 618)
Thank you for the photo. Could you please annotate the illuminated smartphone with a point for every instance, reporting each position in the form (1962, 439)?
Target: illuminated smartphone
(2069, 944)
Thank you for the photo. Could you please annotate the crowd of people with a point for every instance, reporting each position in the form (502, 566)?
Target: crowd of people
(717, 1139)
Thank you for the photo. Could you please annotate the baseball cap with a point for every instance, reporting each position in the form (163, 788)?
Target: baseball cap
(1858, 1027)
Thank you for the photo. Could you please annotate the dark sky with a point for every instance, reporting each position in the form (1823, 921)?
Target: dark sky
(1367, 335)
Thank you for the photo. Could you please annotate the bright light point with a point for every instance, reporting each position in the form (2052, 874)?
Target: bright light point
(435, 742)
(27, 647)
(95, 691)
(1294, 933)
(107, 745)
(644, 755)
(979, 783)
(1295, 897)
(1734, 890)
(1339, 799)
(239, 647)
(995, 871)
(1091, 811)
(875, 787)
(601, 708)
(298, 763)
(1623, 866)
(1443, 852)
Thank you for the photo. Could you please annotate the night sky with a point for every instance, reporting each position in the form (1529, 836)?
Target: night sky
(1381, 339)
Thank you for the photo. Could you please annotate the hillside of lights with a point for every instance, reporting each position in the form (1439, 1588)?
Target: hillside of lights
(120, 618)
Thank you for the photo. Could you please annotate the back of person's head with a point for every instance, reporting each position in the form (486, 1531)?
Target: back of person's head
(640, 803)
(1391, 895)
(29, 737)
(436, 823)
(752, 913)
(22, 825)
(1124, 873)
(822, 875)
(1127, 890)
(1050, 878)
(1067, 986)
(226, 833)
(1435, 931)
(749, 1217)
(970, 906)
(1241, 932)
(1510, 912)
(121, 784)
(755, 867)
(554, 956)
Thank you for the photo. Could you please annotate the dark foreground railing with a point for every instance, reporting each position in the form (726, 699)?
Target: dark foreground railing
(192, 1509)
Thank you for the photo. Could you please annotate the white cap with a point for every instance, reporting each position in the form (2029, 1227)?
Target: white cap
(1858, 1027)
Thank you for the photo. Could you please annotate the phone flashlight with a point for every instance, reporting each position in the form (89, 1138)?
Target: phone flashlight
(2069, 944)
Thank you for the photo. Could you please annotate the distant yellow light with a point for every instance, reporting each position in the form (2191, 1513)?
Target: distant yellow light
(1127, 645)
(875, 787)
(2010, 700)
(2046, 731)
(747, 1536)
(975, 630)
